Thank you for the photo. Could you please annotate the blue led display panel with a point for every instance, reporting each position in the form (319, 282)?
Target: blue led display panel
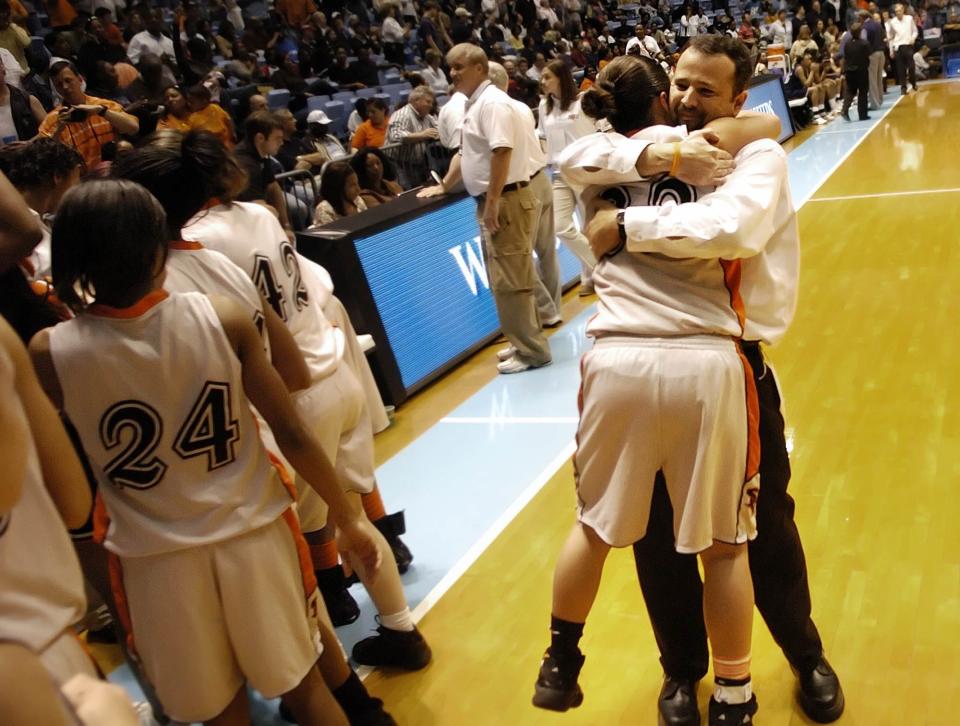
(767, 96)
(430, 285)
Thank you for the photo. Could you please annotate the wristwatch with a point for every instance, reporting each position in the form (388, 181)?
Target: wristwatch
(621, 228)
(102, 111)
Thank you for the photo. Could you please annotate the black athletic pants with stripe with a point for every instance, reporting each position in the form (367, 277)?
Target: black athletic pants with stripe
(671, 582)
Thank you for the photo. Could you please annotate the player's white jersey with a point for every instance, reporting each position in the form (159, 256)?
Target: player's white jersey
(252, 238)
(41, 588)
(155, 391)
(656, 295)
(191, 267)
(749, 218)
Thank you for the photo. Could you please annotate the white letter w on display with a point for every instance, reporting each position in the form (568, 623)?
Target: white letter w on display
(472, 267)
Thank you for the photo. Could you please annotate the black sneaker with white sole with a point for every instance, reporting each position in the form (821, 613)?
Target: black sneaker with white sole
(556, 688)
(393, 649)
(732, 714)
(391, 527)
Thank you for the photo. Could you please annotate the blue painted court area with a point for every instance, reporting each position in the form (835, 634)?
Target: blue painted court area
(460, 479)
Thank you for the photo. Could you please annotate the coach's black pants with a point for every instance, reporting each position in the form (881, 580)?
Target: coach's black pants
(858, 84)
(671, 582)
(905, 66)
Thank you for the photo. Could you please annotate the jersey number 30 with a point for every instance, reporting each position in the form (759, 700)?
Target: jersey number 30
(209, 430)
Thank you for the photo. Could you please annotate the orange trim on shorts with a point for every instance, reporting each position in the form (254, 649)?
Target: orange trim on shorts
(731, 278)
(134, 311)
(576, 438)
(101, 520)
(753, 418)
(115, 568)
(303, 552)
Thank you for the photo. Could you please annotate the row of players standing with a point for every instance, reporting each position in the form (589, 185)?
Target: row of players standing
(168, 388)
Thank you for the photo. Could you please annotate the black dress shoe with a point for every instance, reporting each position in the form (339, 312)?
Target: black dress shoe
(820, 694)
(677, 703)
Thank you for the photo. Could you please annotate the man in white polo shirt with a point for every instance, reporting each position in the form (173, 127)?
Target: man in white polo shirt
(493, 163)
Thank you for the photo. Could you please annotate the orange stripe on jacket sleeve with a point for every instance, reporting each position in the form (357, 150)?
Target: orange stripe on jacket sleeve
(731, 278)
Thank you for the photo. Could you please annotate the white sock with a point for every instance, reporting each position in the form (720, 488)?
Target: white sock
(398, 621)
(733, 694)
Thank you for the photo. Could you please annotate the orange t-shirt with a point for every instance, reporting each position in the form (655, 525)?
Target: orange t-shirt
(60, 12)
(295, 12)
(215, 120)
(369, 135)
(586, 84)
(17, 10)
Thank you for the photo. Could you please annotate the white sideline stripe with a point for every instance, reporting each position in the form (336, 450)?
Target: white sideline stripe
(510, 419)
(471, 556)
(847, 155)
(879, 195)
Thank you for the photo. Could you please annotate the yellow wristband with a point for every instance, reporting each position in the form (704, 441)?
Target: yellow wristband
(676, 159)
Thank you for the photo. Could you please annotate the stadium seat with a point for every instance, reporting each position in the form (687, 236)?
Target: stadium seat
(315, 102)
(278, 98)
(386, 99)
(366, 92)
(343, 95)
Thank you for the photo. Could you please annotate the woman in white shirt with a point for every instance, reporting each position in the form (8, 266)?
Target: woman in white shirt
(393, 34)
(433, 74)
(560, 123)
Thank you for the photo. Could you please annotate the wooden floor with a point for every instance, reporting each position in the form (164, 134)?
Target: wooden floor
(869, 372)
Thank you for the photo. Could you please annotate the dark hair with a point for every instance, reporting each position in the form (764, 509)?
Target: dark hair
(332, 183)
(377, 103)
(35, 164)
(261, 122)
(624, 92)
(169, 174)
(105, 242)
(359, 164)
(57, 68)
(734, 49)
(568, 88)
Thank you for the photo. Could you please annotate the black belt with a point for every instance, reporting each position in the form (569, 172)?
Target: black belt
(514, 186)
(538, 171)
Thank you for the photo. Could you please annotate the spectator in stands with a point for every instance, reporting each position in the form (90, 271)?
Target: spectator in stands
(373, 131)
(208, 116)
(780, 31)
(86, 123)
(535, 71)
(925, 68)
(365, 69)
(342, 72)
(12, 37)
(152, 40)
(257, 102)
(37, 82)
(799, 20)
(106, 83)
(461, 30)
(393, 33)
(340, 191)
(176, 112)
(60, 13)
(376, 177)
(357, 116)
(414, 122)
(431, 32)
(20, 113)
(802, 44)
(262, 138)
(110, 32)
(318, 146)
(294, 13)
(433, 75)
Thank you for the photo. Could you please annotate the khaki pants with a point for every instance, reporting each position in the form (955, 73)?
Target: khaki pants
(513, 279)
(877, 61)
(545, 245)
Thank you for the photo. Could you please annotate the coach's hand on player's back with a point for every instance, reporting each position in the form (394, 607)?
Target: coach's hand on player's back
(702, 163)
(357, 538)
(603, 232)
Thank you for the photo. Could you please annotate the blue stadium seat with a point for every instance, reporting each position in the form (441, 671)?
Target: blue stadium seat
(338, 113)
(343, 95)
(386, 99)
(315, 102)
(366, 92)
(278, 98)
